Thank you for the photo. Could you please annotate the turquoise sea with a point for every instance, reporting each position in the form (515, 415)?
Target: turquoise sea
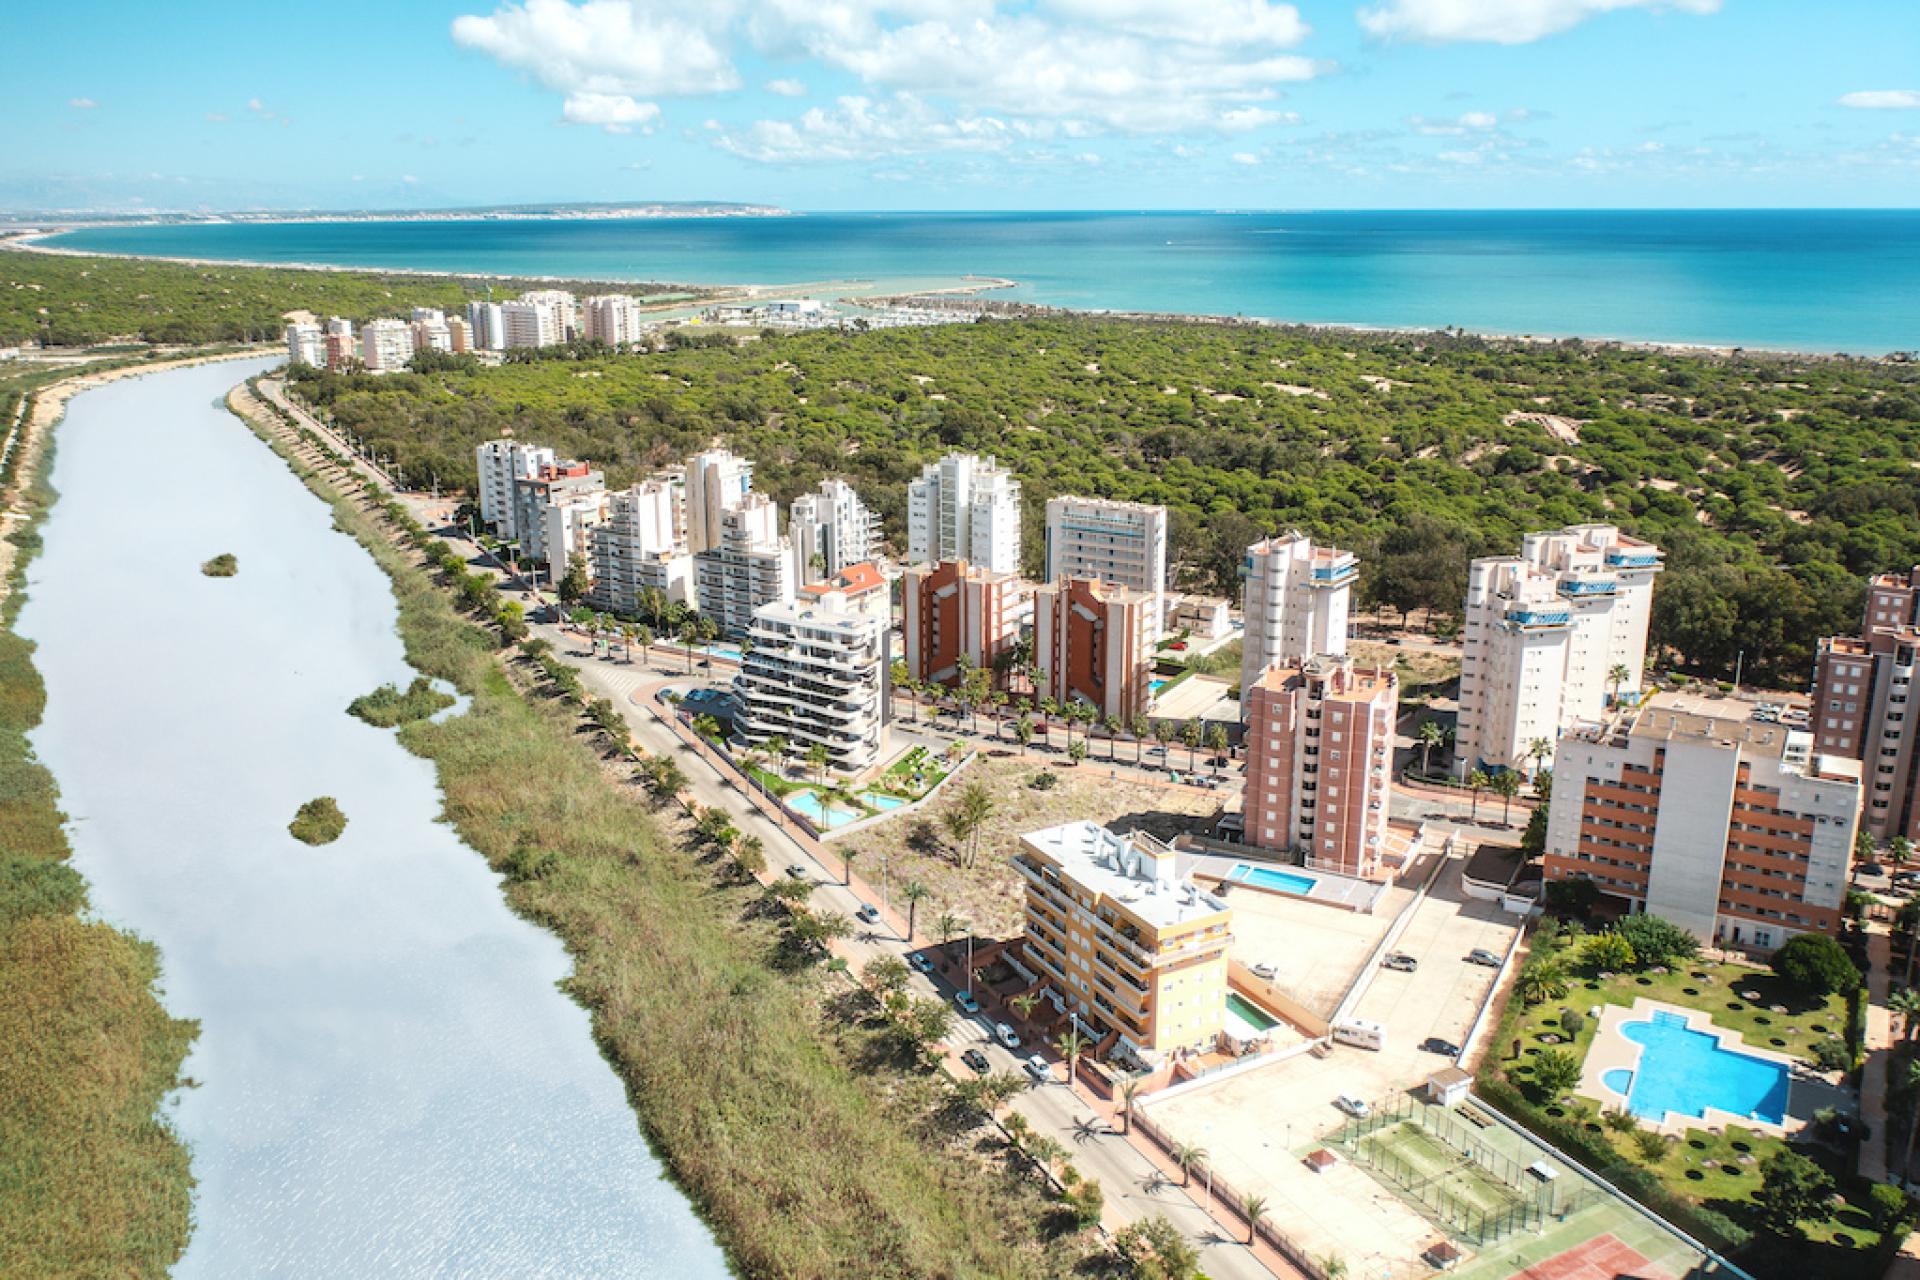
(1812, 280)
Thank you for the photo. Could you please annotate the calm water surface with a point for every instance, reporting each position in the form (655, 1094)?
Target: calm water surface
(1797, 279)
(390, 1084)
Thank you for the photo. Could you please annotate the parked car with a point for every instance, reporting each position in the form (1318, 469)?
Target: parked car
(1353, 1106)
(1445, 1048)
(797, 871)
(1906, 877)
(1400, 962)
(1037, 1068)
(1006, 1035)
(1480, 955)
(976, 1059)
(1266, 969)
(868, 913)
(921, 961)
(966, 1002)
(1869, 869)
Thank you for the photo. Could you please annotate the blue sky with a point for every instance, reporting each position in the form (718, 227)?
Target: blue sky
(976, 104)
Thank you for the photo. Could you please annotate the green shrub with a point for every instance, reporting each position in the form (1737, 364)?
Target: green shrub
(386, 706)
(223, 565)
(38, 887)
(1816, 964)
(319, 821)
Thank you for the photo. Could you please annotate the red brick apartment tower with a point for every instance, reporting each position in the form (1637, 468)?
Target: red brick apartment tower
(954, 608)
(1320, 762)
(1863, 700)
(1094, 642)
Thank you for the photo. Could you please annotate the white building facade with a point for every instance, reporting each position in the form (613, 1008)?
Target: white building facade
(965, 508)
(831, 529)
(499, 463)
(488, 326)
(306, 344)
(540, 319)
(1551, 637)
(816, 674)
(1296, 598)
(612, 318)
(641, 544)
(1120, 542)
(751, 567)
(386, 345)
(717, 482)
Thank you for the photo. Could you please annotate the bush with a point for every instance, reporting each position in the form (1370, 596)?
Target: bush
(1832, 1055)
(1573, 1022)
(386, 706)
(1816, 964)
(1045, 780)
(1656, 941)
(1608, 953)
(223, 565)
(319, 821)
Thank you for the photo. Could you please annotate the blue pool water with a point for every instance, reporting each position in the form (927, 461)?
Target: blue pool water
(1686, 1071)
(809, 806)
(1618, 1079)
(1278, 881)
(1155, 686)
(884, 801)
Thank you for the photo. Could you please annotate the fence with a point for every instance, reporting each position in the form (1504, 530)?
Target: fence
(1439, 1160)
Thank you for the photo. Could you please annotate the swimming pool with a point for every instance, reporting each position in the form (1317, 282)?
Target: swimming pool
(825, 818)
(1685, 1072)
(1277, 881)
(1250, 1013)
(884, 801)
(1155, 686)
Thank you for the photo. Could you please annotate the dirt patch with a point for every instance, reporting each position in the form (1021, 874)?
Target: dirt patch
(1565, 430)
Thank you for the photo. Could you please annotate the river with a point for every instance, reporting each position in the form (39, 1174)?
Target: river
(389, 1081)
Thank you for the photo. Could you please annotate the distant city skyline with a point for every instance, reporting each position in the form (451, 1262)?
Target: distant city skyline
(966, 104)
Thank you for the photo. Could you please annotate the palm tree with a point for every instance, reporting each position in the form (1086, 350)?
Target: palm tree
(915, 893)
(1217, 743)
(965, 819)
(1190, 735)
(1537, 750)
(1112, 725)
(750, 856)
(1905, 1003)
(1024, 1004)
(689, 635)
(1506, 785)
(643, 636)
(1139, 727)
(1071, 1045)
(1129, 1090)
(1477, 780)
(1048, 710)
(1023, 732)
(1333, 1267)
(817, 759)
(1617, 675)
(848, 855)
(947, 927)
(1429, 735)
(1187, 1155)
(1255, 1208)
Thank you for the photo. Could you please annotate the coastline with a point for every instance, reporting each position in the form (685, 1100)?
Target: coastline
(721, 294)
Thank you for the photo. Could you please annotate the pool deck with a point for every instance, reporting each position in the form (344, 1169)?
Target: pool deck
(1330, 889)
(1612, 1050)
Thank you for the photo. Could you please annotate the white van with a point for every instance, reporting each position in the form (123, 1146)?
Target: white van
(1361, 1034)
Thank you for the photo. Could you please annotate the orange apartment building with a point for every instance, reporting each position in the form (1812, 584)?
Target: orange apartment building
(954, 610)
(1093, 642)
(1863, 695)
(1118, 940)
(1320, 762)
(1755, 841)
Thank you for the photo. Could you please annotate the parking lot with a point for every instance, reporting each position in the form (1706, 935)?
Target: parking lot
(1259, 1126)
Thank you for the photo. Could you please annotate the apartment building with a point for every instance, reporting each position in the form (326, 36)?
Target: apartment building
(1110, 541)
(552, 511)
(543, 318)
(717, 481)
(1755, 836)
(1863, 696)
(831, 529)
(641, 544)
(1546, 632)
(860, 588)
(1320, 762)
(498, 464)
(430, 330)
(965, 507)
(752, 566)
(1136, 955)
(1203, 618)
(386, 345)
(489, 326)
(815, 674)
(340, 347)
(307, 345)
(1295, 598)
(612, 318)
(1093, 643)
(953, 612)
(459, 335)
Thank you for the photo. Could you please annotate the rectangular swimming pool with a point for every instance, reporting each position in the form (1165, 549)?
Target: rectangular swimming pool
(1250, 1013)
(1272, 879)
(1686, 1071)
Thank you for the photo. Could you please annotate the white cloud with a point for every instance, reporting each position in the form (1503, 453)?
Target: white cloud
(857, 128)
(256, 106)
(787, 88)
(1245, 157)
(82, 104)
(1499, 21)
(1470, 122)
(614, 112)
(1882, 100)
(1242, 118)
(216, 117)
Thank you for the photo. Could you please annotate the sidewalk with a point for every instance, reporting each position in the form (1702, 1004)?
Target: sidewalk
(1879, 1050)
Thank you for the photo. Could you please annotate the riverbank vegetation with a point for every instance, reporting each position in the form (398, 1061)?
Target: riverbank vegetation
(1774, 483)
(809, 1153)
(386, 706)
(223, 565)
(63, 300)
(318, 821)
(94, 1182)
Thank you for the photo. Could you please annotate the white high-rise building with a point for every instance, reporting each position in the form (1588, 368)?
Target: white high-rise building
(612, 318)
(554, 509)
(1545, 631)
(499, 463)
(717, 482)
(1295, 598)
(386, 345)
(430, 330)
(831, 529)
(816, 674)
(642, 544)
(306, 345)
(488, 324)
(750, 566)
(543, 318)
(1119, 542)
(965, 508)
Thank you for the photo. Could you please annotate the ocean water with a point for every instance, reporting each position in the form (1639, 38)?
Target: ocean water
(1812, 280)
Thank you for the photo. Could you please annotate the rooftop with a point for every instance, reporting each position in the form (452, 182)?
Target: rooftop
(1134, 870)
(855, 579)
(1758, 726)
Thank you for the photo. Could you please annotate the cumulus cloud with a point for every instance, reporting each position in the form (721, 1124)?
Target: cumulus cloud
(614, 112)
(787, 88)
(858, 128)
(82, 104)
(1882, 100)
(1499, 21)
(1470, 122)
(1245, 157)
